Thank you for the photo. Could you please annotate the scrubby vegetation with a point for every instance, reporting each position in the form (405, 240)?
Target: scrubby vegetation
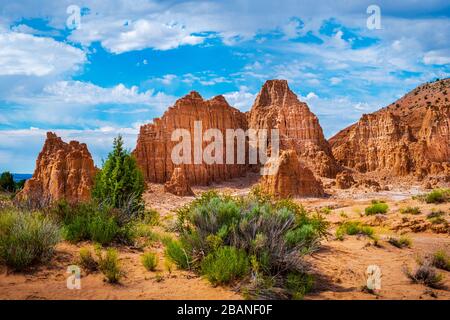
(376, 208)
(109, 265)
(87, 260)
(8, 184)
(435, 196)
(26, 238)
(441, 260)
(426, 274)
(410, 210)
(254, 238)
(353, 228)
(98, 222)
(400, 242)
(149, 261)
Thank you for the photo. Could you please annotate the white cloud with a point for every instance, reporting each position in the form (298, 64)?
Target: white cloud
(118, 36)
(335, 80)
(28, 55)
(241, 99)
(439, 57)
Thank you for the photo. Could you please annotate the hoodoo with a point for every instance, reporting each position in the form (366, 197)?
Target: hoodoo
(63, 171)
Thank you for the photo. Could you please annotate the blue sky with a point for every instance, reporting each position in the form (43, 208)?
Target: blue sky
(129, 60)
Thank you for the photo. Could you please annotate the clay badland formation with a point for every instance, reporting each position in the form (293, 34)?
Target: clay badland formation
(63, 171)
(409, 137)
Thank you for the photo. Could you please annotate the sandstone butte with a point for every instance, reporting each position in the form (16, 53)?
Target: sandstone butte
(154, 145)
(290, 178)
(276, 106)
(63, 171)
(410, 137)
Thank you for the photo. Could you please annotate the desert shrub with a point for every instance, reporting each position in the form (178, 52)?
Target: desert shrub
(26, 238)
(87, 261)
(441, 260)
(109, 265)
(353, 228)
(436, 196)
(93, 221)
(400, 242)
(225, 265)
(275, 235)
(176, 253)
(376, 208)
(149, 261)
(299, 284)
(120, 181)
(426, 274)
(150, 217)
(410, 210)
(435, 214)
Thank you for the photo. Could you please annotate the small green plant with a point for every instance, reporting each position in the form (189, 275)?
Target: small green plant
(299, 284)
(150, 217)
(87, 261)
(109, 265)
(435, 214)
(353, 228)
(441, 260)
(343, 215)
(175, 252)
(436, 196)
(401, 242)
(325, 210)
(150, 261)
(426, 274)
(225, 265)
(410, 210)
(377, 207)
(26, 238)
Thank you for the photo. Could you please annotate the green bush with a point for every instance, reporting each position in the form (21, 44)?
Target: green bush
(401, 242)
(120, 182)
(176, 253)
(410, 210)
(225, 265)
(441, 260)
(26, 238)
(87, 261)
(150, 261)
(353, 228)
(92, 221)
(438, 196)
(376, 207)
(275, 235)
(109, 265)
(299, 284)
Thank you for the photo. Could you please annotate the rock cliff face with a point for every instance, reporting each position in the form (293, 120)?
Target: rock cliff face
(178, 184)
(63, 171)
(408, 137)
(276, 106)
(154, 146)
(291, 178)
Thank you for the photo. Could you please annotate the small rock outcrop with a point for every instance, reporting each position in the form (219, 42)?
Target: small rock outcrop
(344, 180)
(277, 107)
(154, 146)
(63, 171)
(178, 184)
(410, 137)
(288, 177)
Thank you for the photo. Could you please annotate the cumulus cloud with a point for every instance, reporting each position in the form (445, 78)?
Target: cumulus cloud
(242, 99)
(28, 55)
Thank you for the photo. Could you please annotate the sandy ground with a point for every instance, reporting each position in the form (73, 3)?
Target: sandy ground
(339, 266)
